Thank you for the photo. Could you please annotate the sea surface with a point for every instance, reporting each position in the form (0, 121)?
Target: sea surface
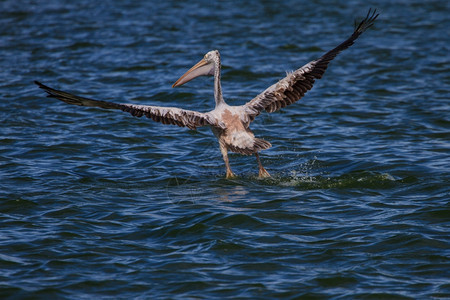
(97, 204)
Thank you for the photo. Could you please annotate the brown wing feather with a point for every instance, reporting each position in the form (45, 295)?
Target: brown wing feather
(294, 86)
(165, 115)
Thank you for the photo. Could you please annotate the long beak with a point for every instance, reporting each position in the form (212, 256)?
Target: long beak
(201, 68)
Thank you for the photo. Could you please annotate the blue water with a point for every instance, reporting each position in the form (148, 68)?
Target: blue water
(96, 203)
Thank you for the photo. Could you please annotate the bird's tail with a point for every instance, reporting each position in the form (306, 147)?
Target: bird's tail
(261, 144)
(258, 145)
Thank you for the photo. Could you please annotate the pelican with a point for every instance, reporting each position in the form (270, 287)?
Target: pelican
(230, 124)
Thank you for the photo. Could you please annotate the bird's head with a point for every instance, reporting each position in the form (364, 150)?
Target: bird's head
(202, 68)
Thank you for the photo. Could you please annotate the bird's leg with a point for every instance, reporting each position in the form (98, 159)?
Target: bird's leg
(224, 151)
(262, 172)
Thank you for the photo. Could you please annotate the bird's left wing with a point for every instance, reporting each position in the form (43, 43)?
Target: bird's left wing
(165, 115)
(294, 86)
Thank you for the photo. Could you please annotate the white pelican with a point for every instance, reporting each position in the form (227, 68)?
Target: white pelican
(230, 124)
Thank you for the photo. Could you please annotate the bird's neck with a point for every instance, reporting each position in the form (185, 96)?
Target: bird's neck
(217, 86)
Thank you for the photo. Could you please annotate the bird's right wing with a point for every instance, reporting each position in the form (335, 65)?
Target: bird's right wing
(165, 115)
(294, 86)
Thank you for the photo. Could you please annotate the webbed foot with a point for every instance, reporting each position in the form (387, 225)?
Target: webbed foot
(263, 173)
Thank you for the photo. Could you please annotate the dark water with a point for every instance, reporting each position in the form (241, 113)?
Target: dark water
(97, 203)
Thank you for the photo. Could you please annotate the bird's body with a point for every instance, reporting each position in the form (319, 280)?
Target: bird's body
(236, 135)
(230, 124)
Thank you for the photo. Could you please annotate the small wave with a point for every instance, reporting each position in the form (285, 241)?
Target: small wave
(81, 45)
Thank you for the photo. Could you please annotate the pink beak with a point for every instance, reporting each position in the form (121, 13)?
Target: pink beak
(200, 69)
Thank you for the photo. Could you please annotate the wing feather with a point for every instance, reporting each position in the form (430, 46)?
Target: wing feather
(294, 86)
(165, 115)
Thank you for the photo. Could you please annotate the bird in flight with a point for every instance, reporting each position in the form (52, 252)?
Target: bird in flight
(230, 124)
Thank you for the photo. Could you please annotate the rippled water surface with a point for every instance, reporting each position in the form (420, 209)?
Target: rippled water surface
(96, 203)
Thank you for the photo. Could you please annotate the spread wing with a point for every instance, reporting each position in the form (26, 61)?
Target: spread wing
(294, 86)
(165, 115)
